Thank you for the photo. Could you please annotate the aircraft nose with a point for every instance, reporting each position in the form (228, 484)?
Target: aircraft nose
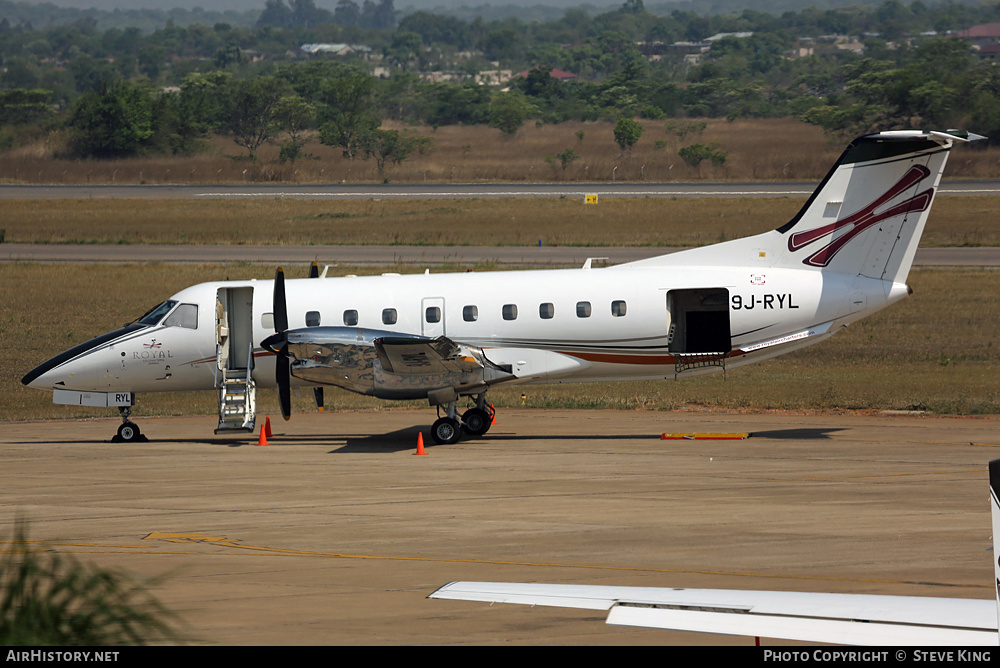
(41, 380)
(57, 373)
(72, 369)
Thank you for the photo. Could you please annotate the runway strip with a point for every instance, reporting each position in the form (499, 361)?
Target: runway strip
(503, 256)
(444, 190)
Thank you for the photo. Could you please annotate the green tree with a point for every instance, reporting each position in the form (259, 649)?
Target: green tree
(248, 114)
(347, 109)
(694, 155)
(681, 129)
(508, 112)
(294, 116)
(404, 48)
(452, 105)
(391, 146)
(564, 158)
(230, 54)
(182, 120)
(113, 121)
(627, 132)
(275, 13)
(347, 14)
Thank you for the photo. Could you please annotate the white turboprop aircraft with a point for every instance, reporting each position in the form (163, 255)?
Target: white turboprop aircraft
(445, 336)
(848, 619)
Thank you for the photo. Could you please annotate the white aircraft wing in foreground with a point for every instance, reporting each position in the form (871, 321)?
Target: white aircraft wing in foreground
(854, 619)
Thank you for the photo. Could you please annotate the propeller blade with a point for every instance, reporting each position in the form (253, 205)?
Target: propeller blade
(280, 308)
(282, 372)
(283, 377)
(318, 396)
(314, 270)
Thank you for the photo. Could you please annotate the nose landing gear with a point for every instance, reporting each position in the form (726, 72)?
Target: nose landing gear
(128, 432)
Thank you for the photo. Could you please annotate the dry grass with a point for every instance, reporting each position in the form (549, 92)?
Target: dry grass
(939, 350)
(759, 150)
(620, 221)
(956, 221)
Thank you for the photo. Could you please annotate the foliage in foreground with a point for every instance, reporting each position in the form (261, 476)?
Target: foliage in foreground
(47, 598)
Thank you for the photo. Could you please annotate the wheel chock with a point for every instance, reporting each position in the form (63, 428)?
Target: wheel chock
(420, 444)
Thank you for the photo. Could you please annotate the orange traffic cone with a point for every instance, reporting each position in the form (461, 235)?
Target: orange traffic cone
(493, 415)
(420, 444)
(263, 436)
(267, 426)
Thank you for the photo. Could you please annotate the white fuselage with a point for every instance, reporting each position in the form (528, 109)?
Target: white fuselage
(614, 321)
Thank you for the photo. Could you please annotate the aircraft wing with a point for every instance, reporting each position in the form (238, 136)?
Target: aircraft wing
(410, 356)
(827, 618)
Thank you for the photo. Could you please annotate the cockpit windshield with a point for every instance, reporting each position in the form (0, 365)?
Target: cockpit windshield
(155, 314)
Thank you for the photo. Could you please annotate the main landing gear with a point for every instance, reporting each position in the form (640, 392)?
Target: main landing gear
(128, 432)
(473, 422)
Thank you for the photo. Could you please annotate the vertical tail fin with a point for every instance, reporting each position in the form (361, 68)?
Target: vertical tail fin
(995, 513)
(867, 215)
(865, 218)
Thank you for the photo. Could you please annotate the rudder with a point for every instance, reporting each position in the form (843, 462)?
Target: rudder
(868, 214)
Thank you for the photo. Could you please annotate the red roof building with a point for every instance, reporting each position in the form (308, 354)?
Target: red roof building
(986, 31)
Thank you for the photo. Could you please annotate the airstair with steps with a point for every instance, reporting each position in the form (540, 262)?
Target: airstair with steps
(237, 401)
(234, 361)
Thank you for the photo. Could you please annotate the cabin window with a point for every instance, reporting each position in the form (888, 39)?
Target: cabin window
(312, 318)
(185, 315)
(389, 316)
(433, 314)
(350, 317)
(546, 311)
(618, 308)
(510, 311)
(470, 313)
(267, 321)
(583, 309)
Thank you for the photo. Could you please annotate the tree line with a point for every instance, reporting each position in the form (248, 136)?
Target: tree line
(124, 92)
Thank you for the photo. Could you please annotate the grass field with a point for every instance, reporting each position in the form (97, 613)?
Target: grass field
(937, 351)
(757, 150)
(622, 221)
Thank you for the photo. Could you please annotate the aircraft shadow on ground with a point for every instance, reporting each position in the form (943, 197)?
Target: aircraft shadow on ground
(803, 433)
(406, 439)
(393, 441)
